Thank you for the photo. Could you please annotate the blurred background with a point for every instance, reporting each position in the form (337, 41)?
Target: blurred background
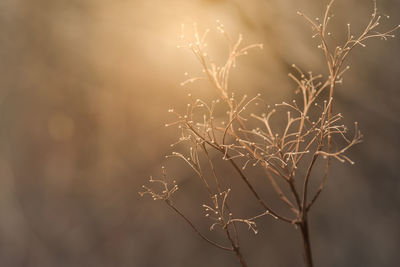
(85, 86)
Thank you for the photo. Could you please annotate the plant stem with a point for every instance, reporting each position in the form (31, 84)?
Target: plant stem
(235, 248)
(240, 257)
(306, 243)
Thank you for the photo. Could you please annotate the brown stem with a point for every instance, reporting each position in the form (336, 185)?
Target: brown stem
(220, 191)
(295, 193)
(240, 257)
(306, 243)
(321, 186)
(256, 195)
(195, 229)
(235, 248)
(278, 190)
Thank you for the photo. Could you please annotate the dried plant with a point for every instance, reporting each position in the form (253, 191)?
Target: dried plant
(312, 132)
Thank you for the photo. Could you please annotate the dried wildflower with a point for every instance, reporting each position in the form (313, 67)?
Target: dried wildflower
(310, 129)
